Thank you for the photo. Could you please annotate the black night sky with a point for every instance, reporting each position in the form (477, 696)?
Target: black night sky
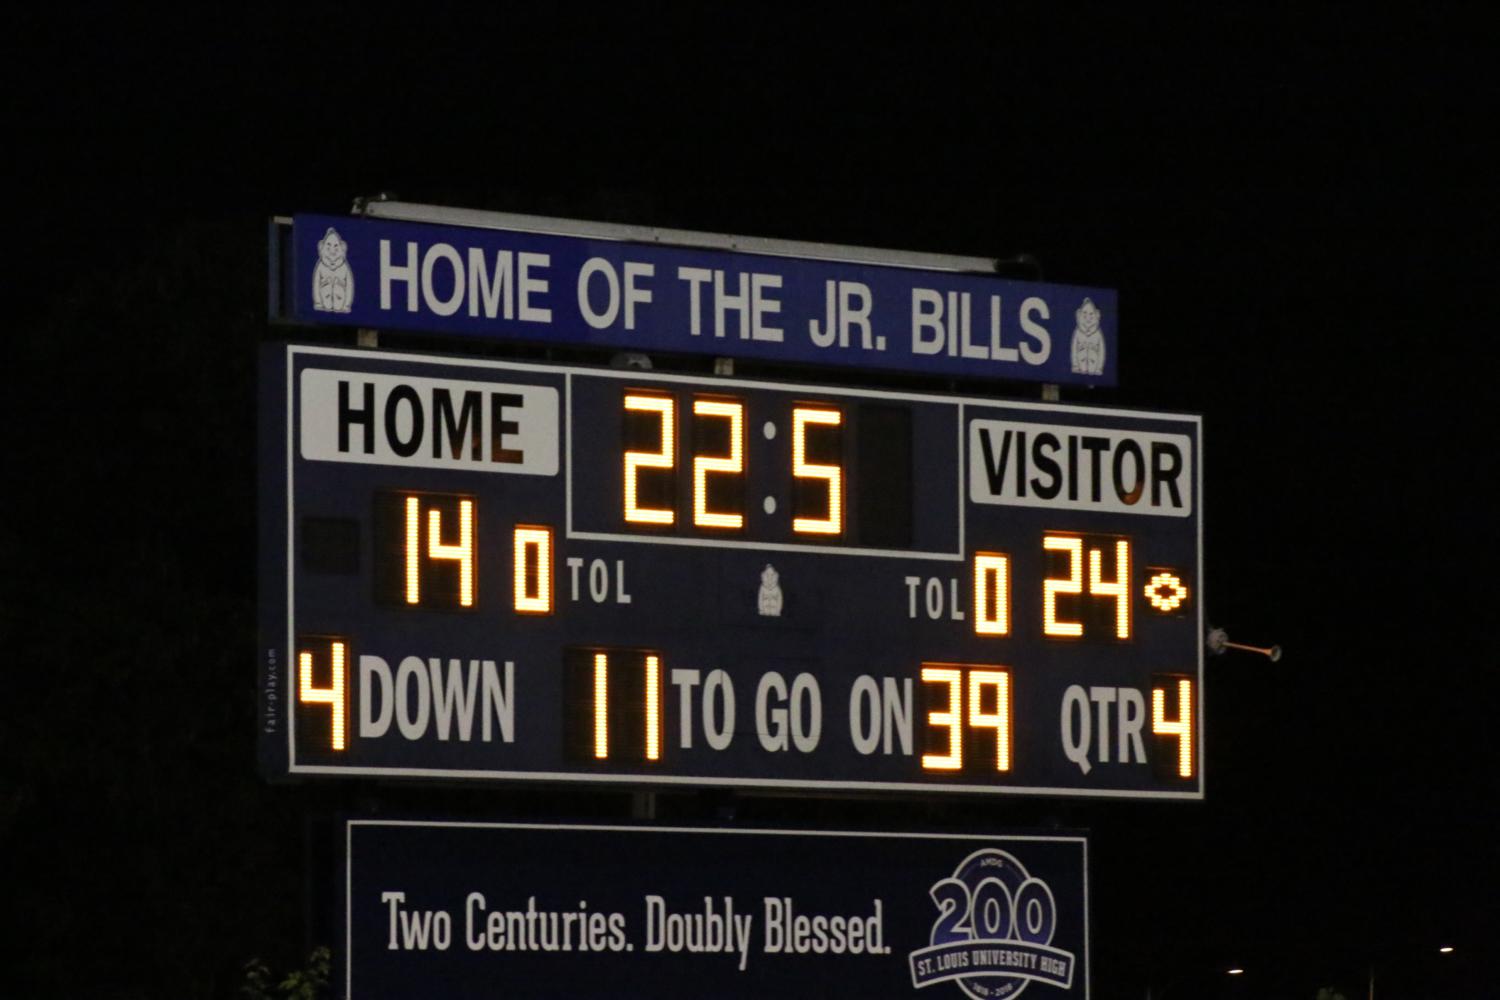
(1297, 212)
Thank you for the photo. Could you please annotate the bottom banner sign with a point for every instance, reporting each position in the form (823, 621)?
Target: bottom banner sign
(458, 910)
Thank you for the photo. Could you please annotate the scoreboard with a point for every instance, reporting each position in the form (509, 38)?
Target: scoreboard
(476, 569)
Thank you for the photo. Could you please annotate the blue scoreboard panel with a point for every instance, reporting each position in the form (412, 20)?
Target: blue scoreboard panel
(475, 569)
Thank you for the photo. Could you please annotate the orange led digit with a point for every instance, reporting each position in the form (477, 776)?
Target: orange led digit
(533, 547)
(1166, 592)
(731, 464)
(661, 459)
(1181, 727)
(332, 695)
(991, 594)
(426, 553)
(1053, 586)
(601, 706)
(1118, 588)
(999, 719)
(463, 552)
(833, 524)
(413, 550)
(951, 719)
(653, 707)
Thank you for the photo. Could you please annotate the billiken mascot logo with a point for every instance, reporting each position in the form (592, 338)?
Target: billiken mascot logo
(1088, 341)
(333, 281)
(993, 933)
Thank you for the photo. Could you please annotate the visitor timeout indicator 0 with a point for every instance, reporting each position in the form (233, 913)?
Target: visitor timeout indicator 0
(485, 570)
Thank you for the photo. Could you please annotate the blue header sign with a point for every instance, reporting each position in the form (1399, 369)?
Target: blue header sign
(482, 910)
(576, 288)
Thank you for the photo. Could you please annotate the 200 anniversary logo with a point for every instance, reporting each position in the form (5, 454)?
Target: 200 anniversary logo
(993, 933)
